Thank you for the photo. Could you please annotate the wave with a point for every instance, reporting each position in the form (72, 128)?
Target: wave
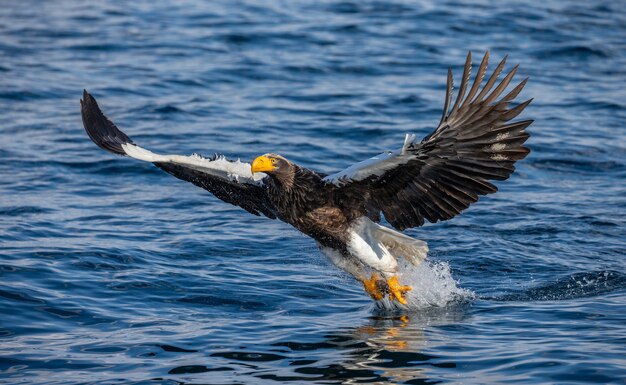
(578, 285)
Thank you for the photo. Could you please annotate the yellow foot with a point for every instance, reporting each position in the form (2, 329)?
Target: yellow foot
(371, 287)
(397, 291)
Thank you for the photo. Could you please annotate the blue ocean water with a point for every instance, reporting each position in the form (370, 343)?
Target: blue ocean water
(112, 272)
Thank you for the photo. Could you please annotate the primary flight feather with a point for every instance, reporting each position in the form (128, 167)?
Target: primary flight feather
(433, 179)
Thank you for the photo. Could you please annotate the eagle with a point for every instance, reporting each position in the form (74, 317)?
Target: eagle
(474, 144)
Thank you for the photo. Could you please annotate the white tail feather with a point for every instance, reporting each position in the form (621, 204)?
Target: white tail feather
(400, 245)
(380, 247)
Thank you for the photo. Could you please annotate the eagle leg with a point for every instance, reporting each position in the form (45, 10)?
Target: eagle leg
(372, 287)
(397, 291)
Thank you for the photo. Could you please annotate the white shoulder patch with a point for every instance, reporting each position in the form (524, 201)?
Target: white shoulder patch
(374, 166)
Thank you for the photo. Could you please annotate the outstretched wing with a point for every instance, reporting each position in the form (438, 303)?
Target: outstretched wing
(439, 177)
(230, 181)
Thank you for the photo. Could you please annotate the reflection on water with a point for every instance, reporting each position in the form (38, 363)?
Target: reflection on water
(387, 348)
(394, 348)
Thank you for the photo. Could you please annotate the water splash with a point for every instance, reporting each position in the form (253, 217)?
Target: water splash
(432, 286)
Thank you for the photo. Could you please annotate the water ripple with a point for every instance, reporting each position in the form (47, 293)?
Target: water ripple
(111, 272)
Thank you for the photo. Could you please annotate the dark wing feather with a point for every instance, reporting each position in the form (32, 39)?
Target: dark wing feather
(249, 197)
(230, 181)
(100, 129)
(450, 168)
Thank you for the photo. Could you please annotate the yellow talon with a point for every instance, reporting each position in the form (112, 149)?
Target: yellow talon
(372, 288)
(397, 291)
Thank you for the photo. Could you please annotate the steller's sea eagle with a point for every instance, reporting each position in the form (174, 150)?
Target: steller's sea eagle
(433, 179)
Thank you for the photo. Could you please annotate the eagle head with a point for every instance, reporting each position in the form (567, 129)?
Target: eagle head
(277, 167)
(272, 164)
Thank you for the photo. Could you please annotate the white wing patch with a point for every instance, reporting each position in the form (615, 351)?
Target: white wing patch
(496, 147)
(375, 166)
(235, 171)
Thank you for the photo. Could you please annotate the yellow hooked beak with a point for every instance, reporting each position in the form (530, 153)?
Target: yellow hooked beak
(262, 164)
